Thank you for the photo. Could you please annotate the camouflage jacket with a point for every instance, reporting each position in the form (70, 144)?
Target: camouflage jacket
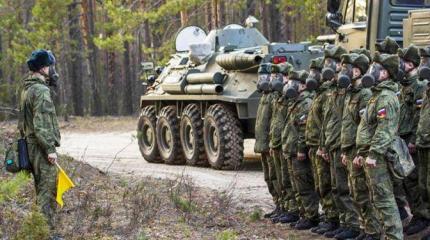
(315, 116)
(279, 113)
(293, 135)
(410, 99)
(423, 129)
(355, 103)
(379, 123)
(39, 123)
(332, 123)
(262, 123)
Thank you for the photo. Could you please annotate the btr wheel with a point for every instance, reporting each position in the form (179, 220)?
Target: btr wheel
(223, 138)
(146, 136)
(169, 144)
(191, 133)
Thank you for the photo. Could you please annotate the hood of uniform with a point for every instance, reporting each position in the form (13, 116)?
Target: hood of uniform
(335, 52)
(389, 62)
(317, 63)
(362, 51)
(388, 46)
(410, 54)
(357, 60)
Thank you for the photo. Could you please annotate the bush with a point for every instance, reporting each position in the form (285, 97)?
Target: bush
(34, 226)
(10, 188)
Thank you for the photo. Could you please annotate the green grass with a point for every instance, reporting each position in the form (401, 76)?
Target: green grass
(256, 215)
(227, 235)
(10, 188)
(34, 226)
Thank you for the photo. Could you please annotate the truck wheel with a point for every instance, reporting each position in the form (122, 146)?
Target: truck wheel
(191, 132)
(146, 136)
(223, 138)
(168, 140)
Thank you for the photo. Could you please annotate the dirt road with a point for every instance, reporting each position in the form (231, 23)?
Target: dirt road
(118, 152)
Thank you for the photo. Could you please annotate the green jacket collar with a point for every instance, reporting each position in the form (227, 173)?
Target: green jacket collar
(34, 78)
(386, 85)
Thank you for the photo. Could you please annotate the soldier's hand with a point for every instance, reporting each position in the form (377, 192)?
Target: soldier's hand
(319, 153)
(301, 156)
(358, 161)
(412, 148)
(371, 163)
(343, 159)
(52, 158)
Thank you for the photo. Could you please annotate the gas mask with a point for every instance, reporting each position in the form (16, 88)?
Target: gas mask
(424, 68)
(263, 83)
(313, 80)
(291, 89)
(372, 76)
(276, 83)
(53, 76)
(346, 76)
(329, 70)
(401, 74)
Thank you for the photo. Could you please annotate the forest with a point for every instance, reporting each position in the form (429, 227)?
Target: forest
(99, 44)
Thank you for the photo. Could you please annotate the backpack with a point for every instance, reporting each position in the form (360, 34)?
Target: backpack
(400, 161)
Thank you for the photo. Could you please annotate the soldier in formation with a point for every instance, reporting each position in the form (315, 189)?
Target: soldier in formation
(324, 136)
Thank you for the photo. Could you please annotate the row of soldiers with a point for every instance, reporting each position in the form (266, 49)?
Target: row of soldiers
(324, 135)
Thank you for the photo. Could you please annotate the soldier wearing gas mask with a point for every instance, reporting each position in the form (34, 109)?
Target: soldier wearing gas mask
(410, 98)
(39, 126)
(353, 68)
(423, 143)
(377, 128)
(262, 128)
(279, 111)
(321, 168)
(295, 150)
(331, 146)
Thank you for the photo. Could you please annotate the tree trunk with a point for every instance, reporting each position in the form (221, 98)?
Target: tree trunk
(208, 18)
(184, 18)
(128, 93)
(76, 59)
(221, 13)
(215, 20)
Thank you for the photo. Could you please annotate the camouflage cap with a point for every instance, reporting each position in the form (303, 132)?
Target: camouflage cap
(389, 61)
(410, 54)
(298, 76)
(388, 46)
(363, 51)
(283, 68)
(334, 52)
(425, 52)
(317, 63)
(357, 60)
(265, 68)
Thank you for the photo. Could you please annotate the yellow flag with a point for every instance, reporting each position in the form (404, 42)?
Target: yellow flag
(64, 183)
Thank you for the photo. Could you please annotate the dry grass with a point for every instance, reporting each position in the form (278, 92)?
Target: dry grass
(99, 124)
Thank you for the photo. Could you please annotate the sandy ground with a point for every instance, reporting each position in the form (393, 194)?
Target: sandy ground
(118, 152)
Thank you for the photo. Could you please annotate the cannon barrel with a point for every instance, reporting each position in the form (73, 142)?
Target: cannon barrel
(240, 62)
(204, 89)
(199, 78)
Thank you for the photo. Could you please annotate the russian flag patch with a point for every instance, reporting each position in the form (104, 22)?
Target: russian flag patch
(382, 113)
(419, 103)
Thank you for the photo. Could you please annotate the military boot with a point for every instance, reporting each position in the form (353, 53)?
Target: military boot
(361, 236)
(272, 213)
(289, 218)
(427, 237)
(332, 233)
(326, 227)
(306, 224)
(347, 234)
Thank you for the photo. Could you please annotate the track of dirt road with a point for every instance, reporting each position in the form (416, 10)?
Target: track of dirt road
(118, 152)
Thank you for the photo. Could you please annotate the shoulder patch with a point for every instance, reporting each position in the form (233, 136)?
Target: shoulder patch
(382, 113)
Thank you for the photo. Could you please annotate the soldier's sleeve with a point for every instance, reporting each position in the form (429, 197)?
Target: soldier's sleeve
(325, 118)
(387, 125)
(365, 96)
(418, 103)
(43, 120)
(302, 118)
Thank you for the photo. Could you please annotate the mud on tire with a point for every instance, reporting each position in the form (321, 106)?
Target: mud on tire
(168, 140)
(223, 138)
(146, 135)
(191, 133)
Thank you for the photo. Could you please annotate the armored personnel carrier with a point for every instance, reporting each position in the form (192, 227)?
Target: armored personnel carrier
(199, 108)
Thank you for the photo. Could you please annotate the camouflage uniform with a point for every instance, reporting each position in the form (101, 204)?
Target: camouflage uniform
(41, 130)
(322, 168)
(410, 99)
(294, 142)
(377, 128)
(423, 147)
(279, 113)
(355, 102)
(330, 141)
(262, 127)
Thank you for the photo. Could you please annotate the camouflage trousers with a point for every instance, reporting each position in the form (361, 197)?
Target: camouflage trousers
(283, 184)
(423, 210)
(382, 197)
(359, 191)
(302, 180)
(348, 213)
(269, 175)
(323, 185)
(45, 181)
